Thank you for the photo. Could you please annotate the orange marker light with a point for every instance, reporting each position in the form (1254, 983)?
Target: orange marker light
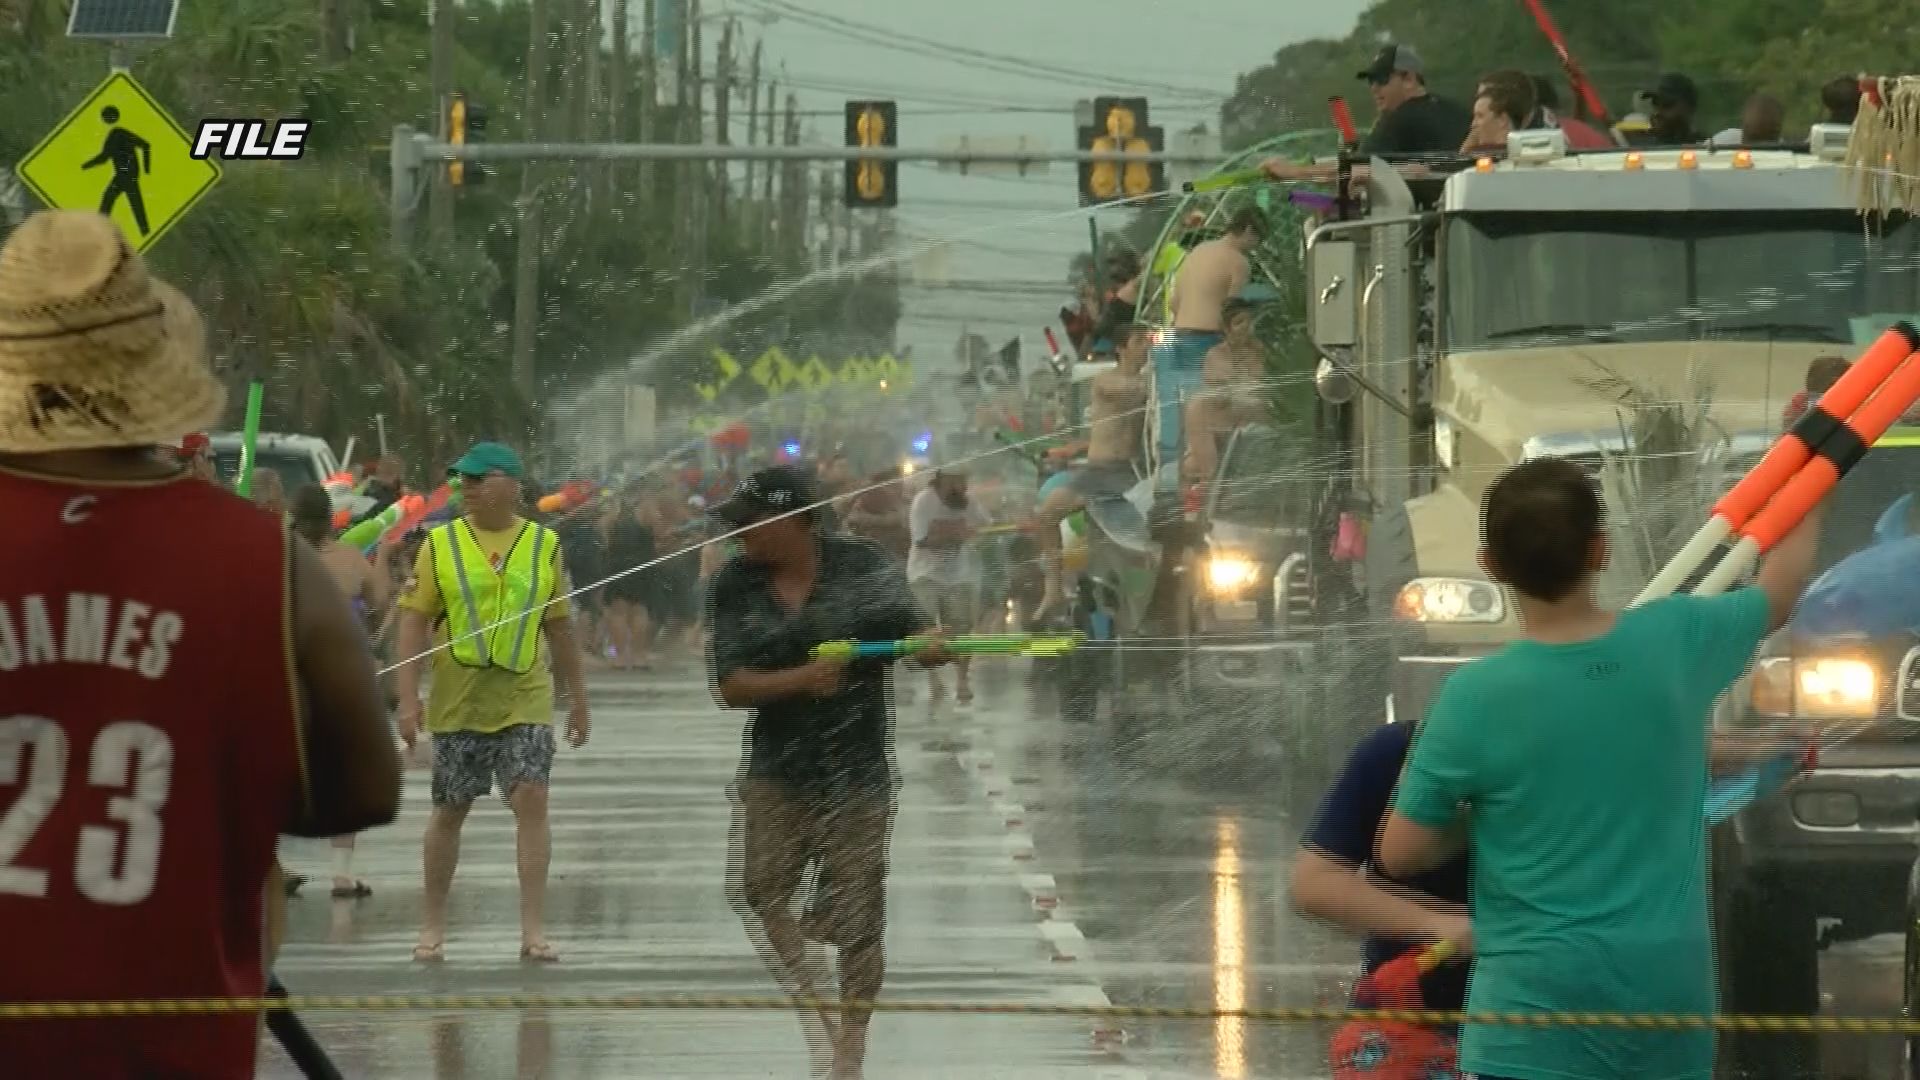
(1484, 165)
(1743, 159)
(1636, 161)
(1689, 159)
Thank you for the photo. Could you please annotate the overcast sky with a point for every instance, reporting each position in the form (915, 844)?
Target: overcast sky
(1003, 232)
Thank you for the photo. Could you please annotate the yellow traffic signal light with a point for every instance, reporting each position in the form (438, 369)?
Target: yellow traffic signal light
(869, 182)
(1120, 124)
(466, 124)
(457, 135)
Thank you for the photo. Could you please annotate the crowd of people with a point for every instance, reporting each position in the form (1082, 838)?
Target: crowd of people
(1414, 120)
(230, 670)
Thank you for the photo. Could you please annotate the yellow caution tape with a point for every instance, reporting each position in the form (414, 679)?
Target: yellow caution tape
(1850, 1025)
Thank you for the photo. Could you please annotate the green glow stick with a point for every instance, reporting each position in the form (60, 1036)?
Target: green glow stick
(250, 437)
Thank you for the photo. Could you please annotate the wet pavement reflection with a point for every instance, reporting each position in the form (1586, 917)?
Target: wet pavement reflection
(637, 906)
(1034, 862)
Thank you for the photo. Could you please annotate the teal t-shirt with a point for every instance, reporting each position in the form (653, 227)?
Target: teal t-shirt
(1581, 770)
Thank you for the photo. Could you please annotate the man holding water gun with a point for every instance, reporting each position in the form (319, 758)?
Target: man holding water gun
(1575, 761)
(817, 777)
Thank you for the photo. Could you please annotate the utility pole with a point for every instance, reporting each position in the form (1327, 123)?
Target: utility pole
(700, 173)
(722, 120)
(589, 107)
(440, 67)
(618, 92)
(336, 30)
(649, 97)
(771, 210)
(841, 208)
(795, 202)
(526, 260)
(829, 222)
(753, 138)
(566, 35)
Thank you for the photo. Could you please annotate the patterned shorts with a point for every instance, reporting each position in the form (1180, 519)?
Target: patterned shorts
(468, 764)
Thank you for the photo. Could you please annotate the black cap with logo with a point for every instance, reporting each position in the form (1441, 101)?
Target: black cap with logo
(1391, 59)
(769, 493)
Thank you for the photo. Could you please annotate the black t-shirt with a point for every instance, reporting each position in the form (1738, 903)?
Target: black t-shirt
(817, 744)
(1346, 829)
(1427, 124)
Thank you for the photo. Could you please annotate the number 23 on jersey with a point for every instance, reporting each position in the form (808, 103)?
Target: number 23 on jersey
(114, 863)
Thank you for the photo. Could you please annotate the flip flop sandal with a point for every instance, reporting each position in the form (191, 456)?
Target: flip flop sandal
(430, 954)
(543, 953)
(355, 891)
(293, 883)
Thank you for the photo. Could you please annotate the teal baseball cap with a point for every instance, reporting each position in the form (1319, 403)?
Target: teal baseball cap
(489, 457)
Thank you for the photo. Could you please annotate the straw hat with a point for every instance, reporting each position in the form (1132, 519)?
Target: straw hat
(94, 352)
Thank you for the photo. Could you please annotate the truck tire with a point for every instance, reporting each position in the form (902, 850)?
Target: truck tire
(1767, 941)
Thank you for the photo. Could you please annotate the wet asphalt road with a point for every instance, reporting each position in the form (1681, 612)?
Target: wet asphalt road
(637, 906)
(1171, 849)
(1033, 862)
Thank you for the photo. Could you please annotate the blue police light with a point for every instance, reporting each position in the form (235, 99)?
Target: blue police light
(790, 449)
(924, 443)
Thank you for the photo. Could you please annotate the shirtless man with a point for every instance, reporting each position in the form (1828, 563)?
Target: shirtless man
(367, 586)
(1116, 417)
(1210, 274)
(1232, 377)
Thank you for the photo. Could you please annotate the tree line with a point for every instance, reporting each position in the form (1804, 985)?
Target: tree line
(302, 284)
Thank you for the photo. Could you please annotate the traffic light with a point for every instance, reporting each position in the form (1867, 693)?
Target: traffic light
(872, 183)
(1120, 124)
(466, 123)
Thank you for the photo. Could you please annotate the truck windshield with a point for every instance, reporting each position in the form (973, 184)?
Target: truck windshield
(1532, 279)
(1867, 491)
(1873, 485)
(295, 469)
(1263, 480)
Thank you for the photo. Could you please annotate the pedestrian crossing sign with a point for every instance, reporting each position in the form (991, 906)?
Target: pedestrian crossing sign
(814, 375)
(121, 154)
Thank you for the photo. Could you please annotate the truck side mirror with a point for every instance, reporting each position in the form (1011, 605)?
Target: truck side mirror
(1333, 384)
(1333, 306)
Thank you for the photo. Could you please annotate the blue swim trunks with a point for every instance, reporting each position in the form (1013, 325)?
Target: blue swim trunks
(1178, 357)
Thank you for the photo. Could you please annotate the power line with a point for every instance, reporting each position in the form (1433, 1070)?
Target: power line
(1023, 67)
(899, 93)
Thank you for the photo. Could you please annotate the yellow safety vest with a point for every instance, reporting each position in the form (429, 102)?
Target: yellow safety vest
(507, 605)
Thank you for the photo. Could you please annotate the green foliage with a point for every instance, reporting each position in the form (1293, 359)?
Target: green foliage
(293, 266)
(1731, 48)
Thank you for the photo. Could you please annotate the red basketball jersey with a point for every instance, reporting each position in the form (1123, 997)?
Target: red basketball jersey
(149, 759)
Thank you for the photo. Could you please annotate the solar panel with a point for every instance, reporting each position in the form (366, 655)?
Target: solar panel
(122, 18)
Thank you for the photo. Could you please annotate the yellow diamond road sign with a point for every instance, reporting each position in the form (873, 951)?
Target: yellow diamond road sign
(763, 371)
(727, 366)
(121, 154)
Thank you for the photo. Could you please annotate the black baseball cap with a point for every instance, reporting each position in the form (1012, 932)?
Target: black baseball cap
(1390, 59)
(1675, 88)
(769, 493)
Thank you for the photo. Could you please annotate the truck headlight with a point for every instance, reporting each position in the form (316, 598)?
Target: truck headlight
(1771, 688)
(1836, 687)
(1450, 600)
(1228, 573)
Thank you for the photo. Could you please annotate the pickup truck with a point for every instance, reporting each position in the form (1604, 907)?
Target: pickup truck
(1830, 858)
(299, 459)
